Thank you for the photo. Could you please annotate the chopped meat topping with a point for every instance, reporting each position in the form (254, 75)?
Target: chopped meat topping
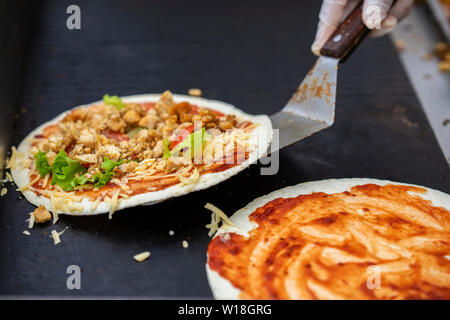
(125, 134)
(41, 214)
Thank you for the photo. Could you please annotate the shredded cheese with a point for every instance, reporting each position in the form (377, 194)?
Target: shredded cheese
(11, 162)
(195, 92)
(217, 216)
(30, 221)
(113, 204)
(142, 256)
(171, 232)
(8, 177)
(122, 185)
(3, 192)
(185, 244)
(27, 233)
(95, 204)
(56, 236)
(63, 202)
(192, 179)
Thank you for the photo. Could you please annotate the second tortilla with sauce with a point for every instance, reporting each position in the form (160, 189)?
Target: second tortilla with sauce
(336, 239)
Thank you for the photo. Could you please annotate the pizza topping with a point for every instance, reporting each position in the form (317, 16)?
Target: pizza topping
(114, 143)
(41, 214)
(113, 101)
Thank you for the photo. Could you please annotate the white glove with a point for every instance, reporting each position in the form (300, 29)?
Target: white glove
(377, 16)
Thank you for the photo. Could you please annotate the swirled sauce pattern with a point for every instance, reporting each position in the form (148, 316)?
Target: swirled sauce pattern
(372, 242)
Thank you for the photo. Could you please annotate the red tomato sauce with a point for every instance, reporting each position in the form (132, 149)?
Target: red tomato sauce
(320, 246)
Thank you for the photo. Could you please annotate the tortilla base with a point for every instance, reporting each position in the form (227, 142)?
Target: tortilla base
(264, 129)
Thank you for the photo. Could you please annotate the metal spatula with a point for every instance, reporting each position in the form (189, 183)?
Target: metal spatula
(311, 108)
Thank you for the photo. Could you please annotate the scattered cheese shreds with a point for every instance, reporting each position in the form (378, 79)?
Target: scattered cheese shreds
(195, 92)
(55, 236)
(9, 177)
(3, 192)
(192, 179)
(30, 221)
(171, 232)
(27, 233)
(113, 204)
(142, 256)
(11, 162)
(185, 244)
(95, 204)
(217, 216)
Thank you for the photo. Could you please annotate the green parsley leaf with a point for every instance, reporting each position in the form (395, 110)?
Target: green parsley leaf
(42, 165)
(68, 173)
(113, 101)
(166, 144)
(65, 170)
(109, 166)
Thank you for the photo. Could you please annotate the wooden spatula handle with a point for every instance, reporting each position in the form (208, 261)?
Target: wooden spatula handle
(347, 36)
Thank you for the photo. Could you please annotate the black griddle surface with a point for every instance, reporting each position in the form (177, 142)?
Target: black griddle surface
(249, 53)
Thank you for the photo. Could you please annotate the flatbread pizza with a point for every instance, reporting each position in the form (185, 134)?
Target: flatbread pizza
(336, 239)
(129, 151)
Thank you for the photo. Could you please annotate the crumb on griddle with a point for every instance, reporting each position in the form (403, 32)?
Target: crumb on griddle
(41, 214)
(142, 256)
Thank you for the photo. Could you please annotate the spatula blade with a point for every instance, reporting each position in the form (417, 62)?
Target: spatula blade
(311, 108)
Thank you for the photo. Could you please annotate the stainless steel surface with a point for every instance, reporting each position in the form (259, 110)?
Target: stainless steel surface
(436, 8)
(420, 34)
(311, 108)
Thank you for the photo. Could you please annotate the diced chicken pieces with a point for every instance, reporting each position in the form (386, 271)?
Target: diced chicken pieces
(142, 135)
(110, 151)
(158, 149)
(128, 166)
(41, 214)
(55, 141)
(87, 158)
(165, 102)
(225, 125)
(131, 117)
(175, 163)
(77, 114)
(116, 124)
(87, 137)
(149, 121)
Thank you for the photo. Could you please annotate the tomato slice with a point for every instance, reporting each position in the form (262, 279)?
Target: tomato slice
(116, 135)
(147, 105)
(51, 129)
(180, 137)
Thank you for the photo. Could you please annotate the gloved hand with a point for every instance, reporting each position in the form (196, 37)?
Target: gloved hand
(377, 16)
